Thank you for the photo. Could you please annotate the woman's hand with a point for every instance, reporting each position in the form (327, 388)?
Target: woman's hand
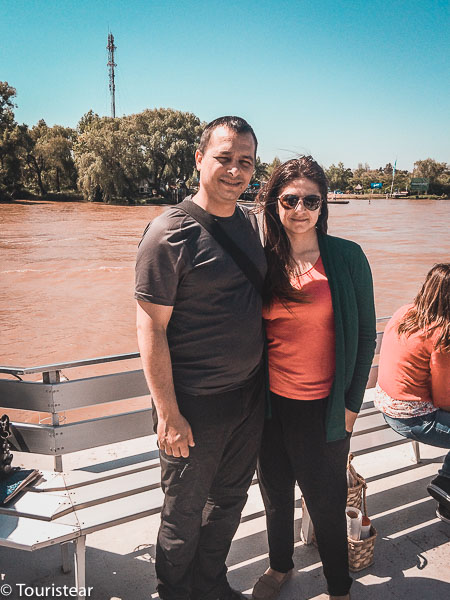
(350, 418)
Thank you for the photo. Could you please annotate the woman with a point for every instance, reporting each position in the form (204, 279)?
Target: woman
(413, 389)
(320, 322)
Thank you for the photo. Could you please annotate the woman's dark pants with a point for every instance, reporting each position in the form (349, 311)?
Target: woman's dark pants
(206, 492)
(294, 449)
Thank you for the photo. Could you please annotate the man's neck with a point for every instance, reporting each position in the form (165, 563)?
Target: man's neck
(214, 206)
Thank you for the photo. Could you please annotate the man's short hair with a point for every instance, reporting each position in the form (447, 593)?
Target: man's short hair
(236, 124)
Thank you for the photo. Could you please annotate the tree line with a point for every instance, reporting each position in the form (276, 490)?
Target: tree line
(106, 159)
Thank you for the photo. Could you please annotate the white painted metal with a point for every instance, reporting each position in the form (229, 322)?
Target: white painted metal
(368, 442)
(27, 395)
(69, 365)
(379, 340)
(104, 430)
(48, 482)
(80, 477)
(119, 511)
(65, 559)
(35, 505)
(103, 492)
(99, 390)
(149, 474)
(416, 452)
(307, 528)
(37, 439)
(80, 565)
(64, 439)
(370, 422)
(30, 534)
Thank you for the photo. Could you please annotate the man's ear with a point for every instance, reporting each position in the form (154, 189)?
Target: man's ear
(198, 159)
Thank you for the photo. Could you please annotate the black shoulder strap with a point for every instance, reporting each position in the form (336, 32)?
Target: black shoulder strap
(213, 227)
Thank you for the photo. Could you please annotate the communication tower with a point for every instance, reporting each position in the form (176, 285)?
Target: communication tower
(111, 65)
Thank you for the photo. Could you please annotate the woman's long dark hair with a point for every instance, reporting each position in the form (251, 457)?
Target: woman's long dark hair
(276, 242)
(431, 309)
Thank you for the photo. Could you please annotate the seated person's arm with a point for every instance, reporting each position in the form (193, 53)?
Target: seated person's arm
(174, 432)
(440, 379)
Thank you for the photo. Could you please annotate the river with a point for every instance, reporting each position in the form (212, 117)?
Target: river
(67, 269)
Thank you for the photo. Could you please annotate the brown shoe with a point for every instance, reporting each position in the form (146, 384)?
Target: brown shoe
(267, 587)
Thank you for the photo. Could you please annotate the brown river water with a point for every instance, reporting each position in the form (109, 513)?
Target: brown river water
(67, 270)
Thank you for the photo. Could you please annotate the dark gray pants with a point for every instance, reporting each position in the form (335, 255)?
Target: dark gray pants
(294, 448)
(206, 492)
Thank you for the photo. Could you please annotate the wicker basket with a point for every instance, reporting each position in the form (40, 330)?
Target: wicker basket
(355, 494)
(360, 553)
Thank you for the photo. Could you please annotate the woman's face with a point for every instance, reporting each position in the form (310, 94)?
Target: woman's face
(298, 221)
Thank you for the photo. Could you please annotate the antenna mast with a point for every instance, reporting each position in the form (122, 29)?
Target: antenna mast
(111, 65)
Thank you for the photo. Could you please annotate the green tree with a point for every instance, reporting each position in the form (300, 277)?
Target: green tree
(339, 177)
(109, 160)
(87, 120)
(167, 140)
(430, 169)
(438, 174)
(35, 159)
(113, 155)
(10, 171)
(56, 149)
(272, 166)
(7, 105)
(260, 172)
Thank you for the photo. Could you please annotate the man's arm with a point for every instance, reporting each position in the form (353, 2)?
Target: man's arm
(174, 432)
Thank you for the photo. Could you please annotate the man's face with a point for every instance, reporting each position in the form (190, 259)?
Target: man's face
(227, 164)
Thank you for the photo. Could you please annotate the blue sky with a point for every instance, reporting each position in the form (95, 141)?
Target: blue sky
(362, 81)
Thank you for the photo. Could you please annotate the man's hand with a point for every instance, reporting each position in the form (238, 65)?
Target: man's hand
(175, 436)
(350, 418)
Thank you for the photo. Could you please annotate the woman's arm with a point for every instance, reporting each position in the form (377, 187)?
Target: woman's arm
(440, 379)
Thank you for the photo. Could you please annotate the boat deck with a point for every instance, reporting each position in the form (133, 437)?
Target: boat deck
(411, 554)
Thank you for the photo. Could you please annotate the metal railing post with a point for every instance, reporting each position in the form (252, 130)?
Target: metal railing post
(54, 377)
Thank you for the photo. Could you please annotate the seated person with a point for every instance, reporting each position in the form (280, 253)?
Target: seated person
(413, 389)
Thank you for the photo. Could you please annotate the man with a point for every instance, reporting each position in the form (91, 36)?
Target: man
(200, 338)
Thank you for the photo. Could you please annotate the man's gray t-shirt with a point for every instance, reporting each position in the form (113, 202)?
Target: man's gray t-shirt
(215, 332)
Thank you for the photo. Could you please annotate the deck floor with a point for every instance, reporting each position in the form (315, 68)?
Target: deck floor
(412, 553)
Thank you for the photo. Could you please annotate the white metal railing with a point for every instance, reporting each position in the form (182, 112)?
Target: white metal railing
(54, 396)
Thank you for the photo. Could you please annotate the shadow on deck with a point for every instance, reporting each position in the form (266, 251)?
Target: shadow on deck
(411, 554)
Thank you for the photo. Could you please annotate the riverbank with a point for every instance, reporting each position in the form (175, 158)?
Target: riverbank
(384, 197)
(50, 197)
(63, 197)
(161, 201)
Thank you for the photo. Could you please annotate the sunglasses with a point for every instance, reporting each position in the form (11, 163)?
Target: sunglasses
(289, 201)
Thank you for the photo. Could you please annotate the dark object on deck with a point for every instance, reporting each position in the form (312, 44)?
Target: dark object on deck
(5, 455)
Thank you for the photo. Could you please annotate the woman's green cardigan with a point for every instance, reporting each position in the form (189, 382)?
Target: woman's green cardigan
(350, 281)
